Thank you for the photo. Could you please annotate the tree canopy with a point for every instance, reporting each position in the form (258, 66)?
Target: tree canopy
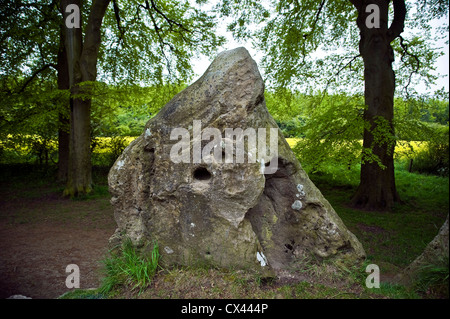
(314, 44)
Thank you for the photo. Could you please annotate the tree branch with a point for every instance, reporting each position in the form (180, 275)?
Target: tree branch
(415, 70)
(92, 40)
(313, 24)
(170, 21)
(357, 3)
(318, 13)
(117, 15)
(35, 73)
(162, 43)
(339, 71)
(398, 24)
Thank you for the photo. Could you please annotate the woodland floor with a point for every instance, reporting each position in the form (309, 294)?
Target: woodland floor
(41, 233)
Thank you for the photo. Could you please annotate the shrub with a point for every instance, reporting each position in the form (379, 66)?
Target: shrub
(434, 159)
(292, 128)
(106, 150)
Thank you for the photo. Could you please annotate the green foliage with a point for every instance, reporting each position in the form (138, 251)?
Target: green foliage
(105, 151)
(125, 109)
(145, 42)
(331, 128)
(291, 33)
(29, 130)
(30, 40)
(425, 118)
(286, 108)
(154, 41)
(433, 280)
(127, 267)
(284, 104)
(333, 131)
(292, 127)
(414, 114)
(313, 44)
(434, 159)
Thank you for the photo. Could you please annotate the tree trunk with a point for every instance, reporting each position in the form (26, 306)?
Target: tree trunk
(63, 148)
(377, 190)
(82, 61)
(80, 171)
(64, 123)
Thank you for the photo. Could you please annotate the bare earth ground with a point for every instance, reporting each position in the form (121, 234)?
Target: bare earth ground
(36, 247)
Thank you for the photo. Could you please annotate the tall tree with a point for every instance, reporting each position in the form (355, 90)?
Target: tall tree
(29, 53)
(377, 188)
(149, 38)
(82, 55)
(63, 117)
(120, 41)
(316, 41)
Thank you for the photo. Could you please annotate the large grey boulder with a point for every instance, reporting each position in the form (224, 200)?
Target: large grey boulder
(263, 214)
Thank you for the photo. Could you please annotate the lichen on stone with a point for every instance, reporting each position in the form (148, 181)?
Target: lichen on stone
(297, 205)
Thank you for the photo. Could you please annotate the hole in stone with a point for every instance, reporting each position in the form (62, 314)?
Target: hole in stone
(202, 174)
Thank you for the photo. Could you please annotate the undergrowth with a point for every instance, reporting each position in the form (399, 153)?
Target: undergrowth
(126, 266)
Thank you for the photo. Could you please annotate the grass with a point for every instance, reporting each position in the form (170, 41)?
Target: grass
(399, 236)
(213, 283)
(434, 279)
(126, 267)
(83, 294)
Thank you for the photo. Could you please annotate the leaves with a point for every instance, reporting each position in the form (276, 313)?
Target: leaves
(145, 50)
(305, 43)
(157, 41)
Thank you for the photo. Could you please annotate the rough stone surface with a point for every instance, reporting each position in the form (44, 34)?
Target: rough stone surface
(18, 297)
(435, 252)
(225, 214)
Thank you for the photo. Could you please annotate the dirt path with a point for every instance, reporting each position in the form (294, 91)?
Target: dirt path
(39, 237)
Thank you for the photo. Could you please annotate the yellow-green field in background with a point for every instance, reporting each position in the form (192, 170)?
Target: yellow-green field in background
(103, 145)
(403, 149)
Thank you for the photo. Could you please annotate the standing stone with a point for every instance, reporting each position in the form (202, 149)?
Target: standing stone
(435, 253)
(229, 214)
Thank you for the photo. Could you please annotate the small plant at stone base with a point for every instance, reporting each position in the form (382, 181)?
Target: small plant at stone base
(126, 267)
(432, 280)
